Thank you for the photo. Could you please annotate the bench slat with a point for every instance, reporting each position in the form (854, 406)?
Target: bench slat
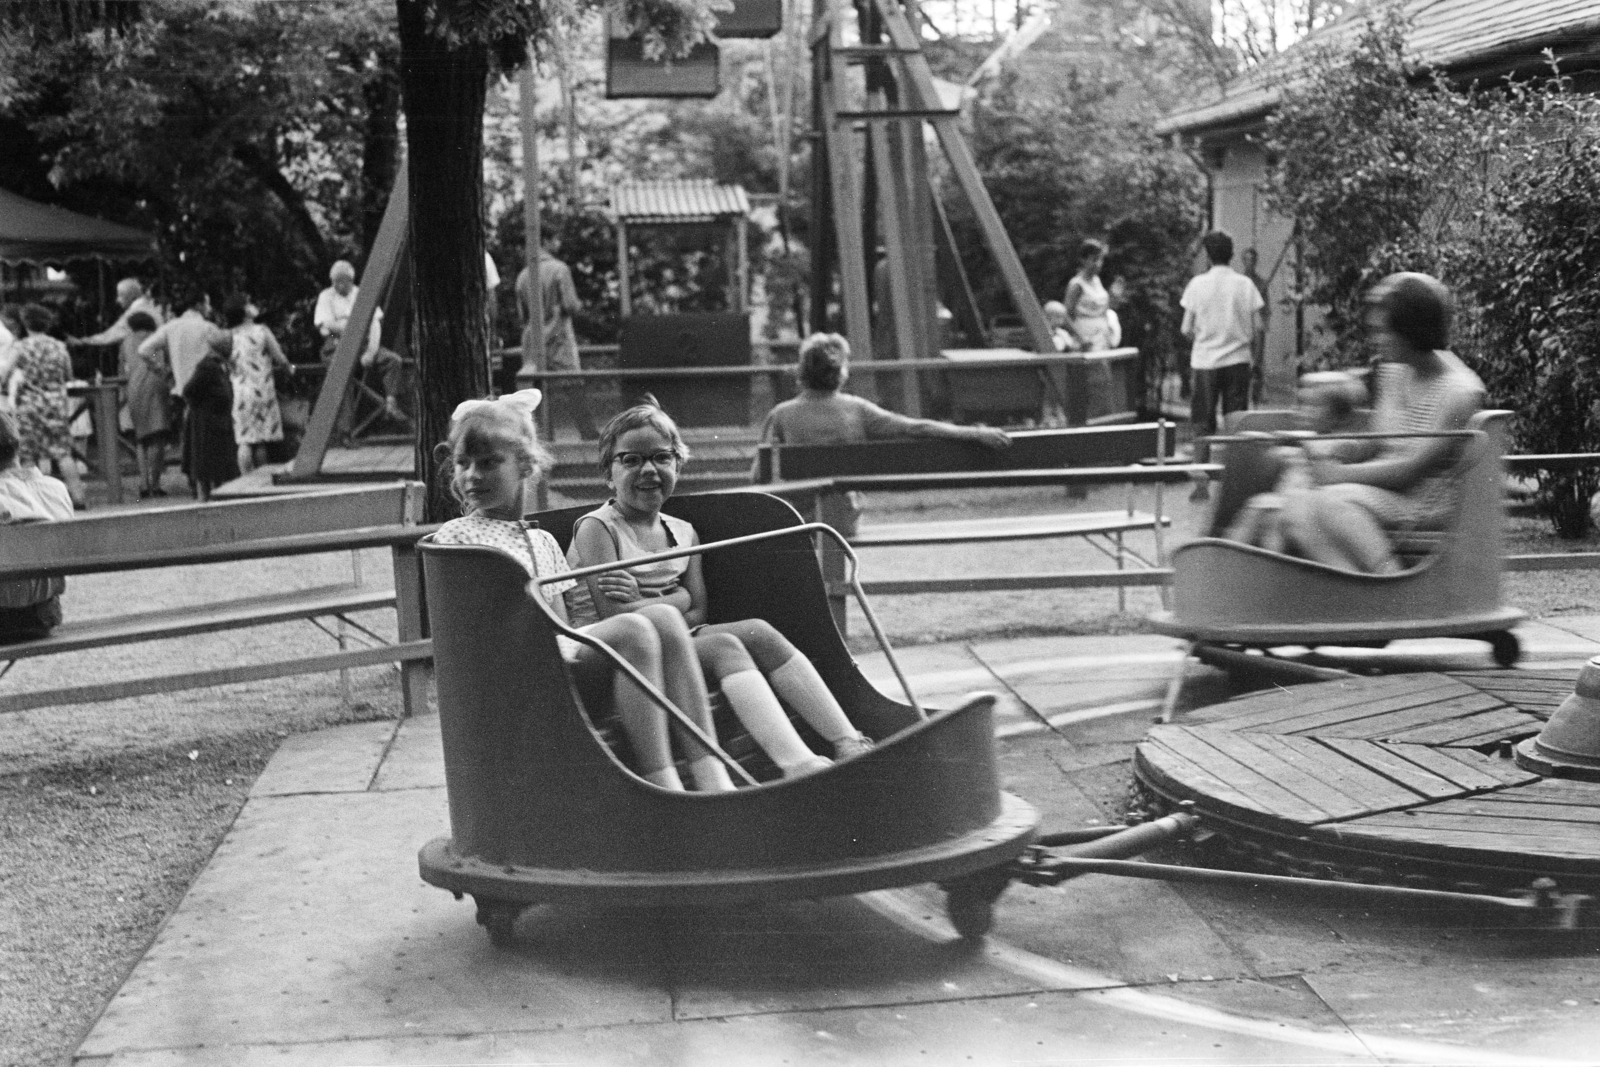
(260, 548)
(979, 583)
(1014, 528)
(255, 672)
(202, 618)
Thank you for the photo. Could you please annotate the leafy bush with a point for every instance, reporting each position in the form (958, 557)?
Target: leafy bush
(1532, 319)
(1384, 167)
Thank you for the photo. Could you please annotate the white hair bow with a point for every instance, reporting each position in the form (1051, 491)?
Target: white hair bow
(525, 401)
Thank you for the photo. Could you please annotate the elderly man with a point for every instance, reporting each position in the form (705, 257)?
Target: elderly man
(332, 315)
(132, 299)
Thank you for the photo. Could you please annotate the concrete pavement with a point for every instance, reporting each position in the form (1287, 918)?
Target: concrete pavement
(310, 939)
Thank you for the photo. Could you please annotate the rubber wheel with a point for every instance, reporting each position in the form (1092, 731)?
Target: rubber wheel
(1506, 648)
(499, 918)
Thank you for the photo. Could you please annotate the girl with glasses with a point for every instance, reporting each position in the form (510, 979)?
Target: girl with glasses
(641, 456)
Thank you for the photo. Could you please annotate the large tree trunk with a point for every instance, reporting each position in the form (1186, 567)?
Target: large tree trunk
(443, 90)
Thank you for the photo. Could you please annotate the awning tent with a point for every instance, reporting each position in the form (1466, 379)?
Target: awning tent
(32, 232)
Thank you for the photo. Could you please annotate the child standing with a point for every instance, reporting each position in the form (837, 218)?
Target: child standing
(495, 453)
(641, 453)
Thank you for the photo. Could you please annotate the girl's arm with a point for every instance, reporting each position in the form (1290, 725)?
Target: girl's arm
(1399, 468)
(614, 592)
(694, 583)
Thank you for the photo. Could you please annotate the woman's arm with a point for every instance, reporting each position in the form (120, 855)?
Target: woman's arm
(881, 424)
(1073, 294)
(1403, 462)
(275, 352)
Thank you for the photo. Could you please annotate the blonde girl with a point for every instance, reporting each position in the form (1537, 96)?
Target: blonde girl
(641, 454)
(495, 454)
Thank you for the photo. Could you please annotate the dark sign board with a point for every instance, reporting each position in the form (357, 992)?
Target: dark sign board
(630, 74)
(751, 18)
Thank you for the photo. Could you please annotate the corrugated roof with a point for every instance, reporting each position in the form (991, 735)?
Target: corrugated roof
(1451, 35)
(677, 201)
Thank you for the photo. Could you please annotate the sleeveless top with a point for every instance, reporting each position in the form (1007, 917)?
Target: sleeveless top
(659, 579)
(1407, 405)
(1089, 317)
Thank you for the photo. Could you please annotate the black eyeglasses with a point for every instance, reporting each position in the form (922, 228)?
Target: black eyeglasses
(632, 461)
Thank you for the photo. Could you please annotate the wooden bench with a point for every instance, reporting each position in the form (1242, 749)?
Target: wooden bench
(819, 477)
(279, 526)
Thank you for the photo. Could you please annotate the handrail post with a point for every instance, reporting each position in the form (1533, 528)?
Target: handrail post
(411, 610)
(834, 509)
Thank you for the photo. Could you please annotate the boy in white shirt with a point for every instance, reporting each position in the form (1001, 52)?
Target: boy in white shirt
(1222, 313)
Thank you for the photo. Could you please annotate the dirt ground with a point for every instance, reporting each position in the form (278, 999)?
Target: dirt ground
(107, 811)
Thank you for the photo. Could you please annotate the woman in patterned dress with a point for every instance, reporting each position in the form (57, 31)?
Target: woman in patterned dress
(1346, 519)
(257, 420)
(38, 390)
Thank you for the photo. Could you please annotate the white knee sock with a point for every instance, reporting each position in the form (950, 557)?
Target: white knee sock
(666, 778)
(798, 682)
(761, 714)
(710, 776)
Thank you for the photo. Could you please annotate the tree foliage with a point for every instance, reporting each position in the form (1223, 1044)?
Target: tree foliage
(1378, 166)
(1495, 190)
(257, 140)
(1533, 296)
(1065, 161)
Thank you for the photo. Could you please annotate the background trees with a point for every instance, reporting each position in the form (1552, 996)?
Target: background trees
(257, 140)
(1494, 189)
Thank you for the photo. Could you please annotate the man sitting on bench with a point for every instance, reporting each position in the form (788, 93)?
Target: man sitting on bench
(380, 366)
(822, 415)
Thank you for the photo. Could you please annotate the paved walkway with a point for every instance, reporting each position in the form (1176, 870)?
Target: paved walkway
(309, 939)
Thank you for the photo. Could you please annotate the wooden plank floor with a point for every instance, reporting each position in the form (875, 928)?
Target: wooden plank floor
(1410, 769)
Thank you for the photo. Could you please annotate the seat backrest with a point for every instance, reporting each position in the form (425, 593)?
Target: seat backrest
(1088, 446)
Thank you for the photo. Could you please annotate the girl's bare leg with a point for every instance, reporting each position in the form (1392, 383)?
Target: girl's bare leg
(642, 720)
(246, 456)
(684, 685)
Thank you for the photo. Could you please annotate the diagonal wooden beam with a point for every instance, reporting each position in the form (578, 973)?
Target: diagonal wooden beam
(918, 84)
(381, 264)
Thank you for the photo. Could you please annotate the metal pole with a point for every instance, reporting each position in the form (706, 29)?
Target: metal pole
(533, 330)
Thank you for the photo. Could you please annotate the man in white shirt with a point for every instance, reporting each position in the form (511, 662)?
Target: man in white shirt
(1222, 313)
(332, 315)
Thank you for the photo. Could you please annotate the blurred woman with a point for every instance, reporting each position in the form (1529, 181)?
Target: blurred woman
(38, 388)
(1347, 518)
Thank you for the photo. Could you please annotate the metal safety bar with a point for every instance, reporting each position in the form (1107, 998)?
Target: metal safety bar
(805, 528)
(1292, 436)
(700, 737)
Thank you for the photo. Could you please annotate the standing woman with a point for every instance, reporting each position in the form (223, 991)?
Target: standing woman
(1087, 300)
(149, 386)
(39, 388)
(208, 420)
(1089, 322)
(257, 420)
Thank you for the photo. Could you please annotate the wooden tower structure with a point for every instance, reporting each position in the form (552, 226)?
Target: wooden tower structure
(873, 95)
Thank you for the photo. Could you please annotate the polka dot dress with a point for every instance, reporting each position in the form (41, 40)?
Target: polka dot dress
(524, 542)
